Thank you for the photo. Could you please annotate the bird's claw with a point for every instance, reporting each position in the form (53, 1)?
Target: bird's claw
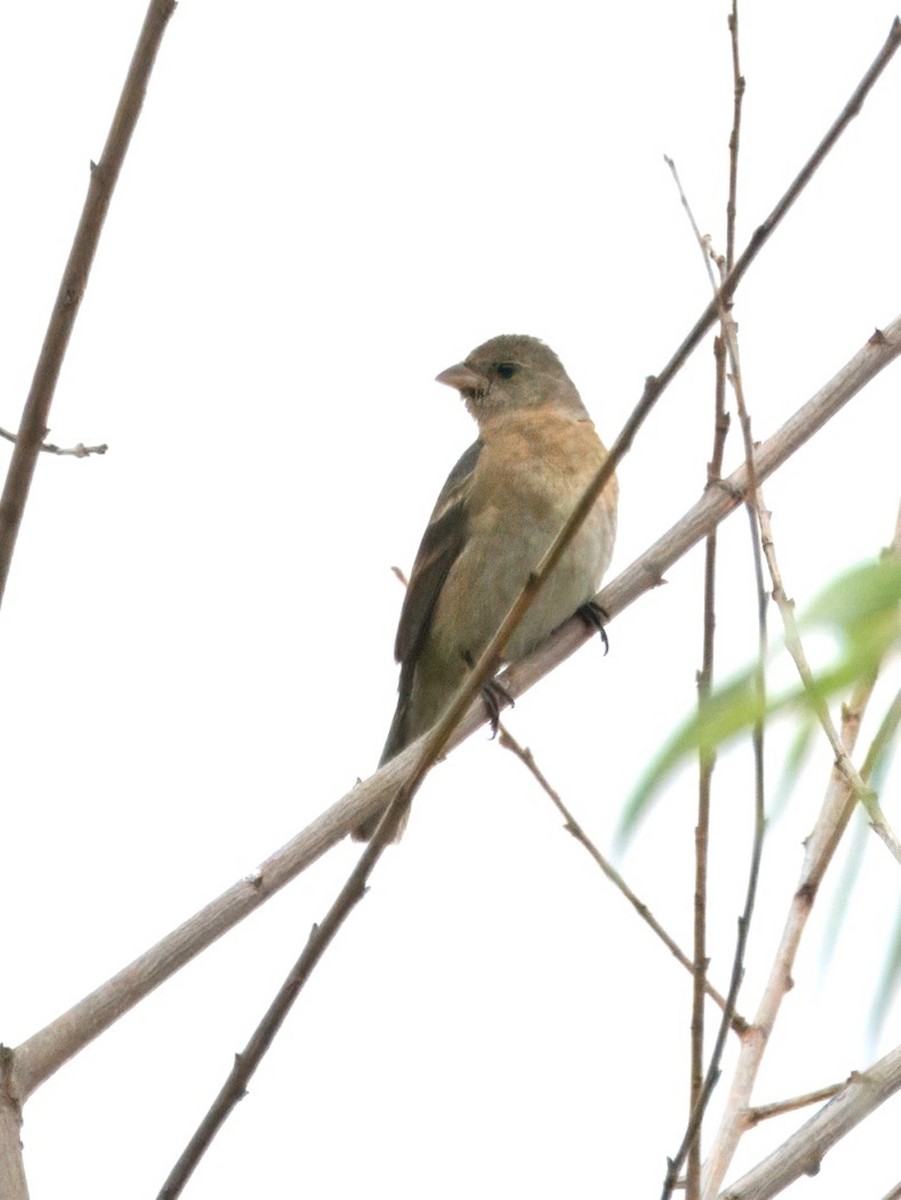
(595, 617)
(495, 697)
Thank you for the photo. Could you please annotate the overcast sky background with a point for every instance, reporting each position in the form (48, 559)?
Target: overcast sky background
(323, 207)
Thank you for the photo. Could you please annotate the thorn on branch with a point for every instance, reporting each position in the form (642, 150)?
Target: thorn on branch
(654, 574)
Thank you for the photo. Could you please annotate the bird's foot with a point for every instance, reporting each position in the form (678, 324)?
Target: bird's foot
(496, 697)
(595, 617)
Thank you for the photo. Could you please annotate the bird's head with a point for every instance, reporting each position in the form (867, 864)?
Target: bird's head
(512, 372)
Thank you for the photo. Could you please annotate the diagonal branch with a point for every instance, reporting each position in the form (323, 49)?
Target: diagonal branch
(104, 174)
(765, 1112)
(508, 742)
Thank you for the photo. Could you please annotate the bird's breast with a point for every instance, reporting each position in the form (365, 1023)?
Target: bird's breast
(531, 473)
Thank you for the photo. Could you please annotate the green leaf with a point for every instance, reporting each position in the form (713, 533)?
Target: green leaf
(861, 608)
(863, 595)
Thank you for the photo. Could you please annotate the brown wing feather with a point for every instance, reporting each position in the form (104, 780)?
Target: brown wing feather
(441, 543)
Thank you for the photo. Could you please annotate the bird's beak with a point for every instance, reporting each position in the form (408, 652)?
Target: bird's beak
(463, 378)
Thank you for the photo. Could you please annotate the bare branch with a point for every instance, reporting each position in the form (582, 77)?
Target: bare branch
(764, 1112)
(79, 450)
(738, 95)
(572, 826)
(104, 174)
(706, 757)
(703, 1083)
(730, 339)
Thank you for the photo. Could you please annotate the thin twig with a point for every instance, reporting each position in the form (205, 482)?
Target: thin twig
(706, 757)
(104, 174)
(730, 337)
(706, 765)
(246, 1063)
(738, 94)
(43, 1053)
(79, 450)
(703, 240)
(33, 426)
(572, 826)
(765, 1112)
(703, 1083)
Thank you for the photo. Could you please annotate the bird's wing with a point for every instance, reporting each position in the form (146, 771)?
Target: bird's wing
(440, 545)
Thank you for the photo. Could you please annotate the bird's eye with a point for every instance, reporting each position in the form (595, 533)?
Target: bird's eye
(506, 370)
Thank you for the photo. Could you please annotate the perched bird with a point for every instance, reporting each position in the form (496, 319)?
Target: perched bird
(500, 509)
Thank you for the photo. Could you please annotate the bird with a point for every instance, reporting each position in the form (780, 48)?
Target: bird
(502, 505)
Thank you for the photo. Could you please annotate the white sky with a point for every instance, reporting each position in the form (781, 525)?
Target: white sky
(323, 207)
